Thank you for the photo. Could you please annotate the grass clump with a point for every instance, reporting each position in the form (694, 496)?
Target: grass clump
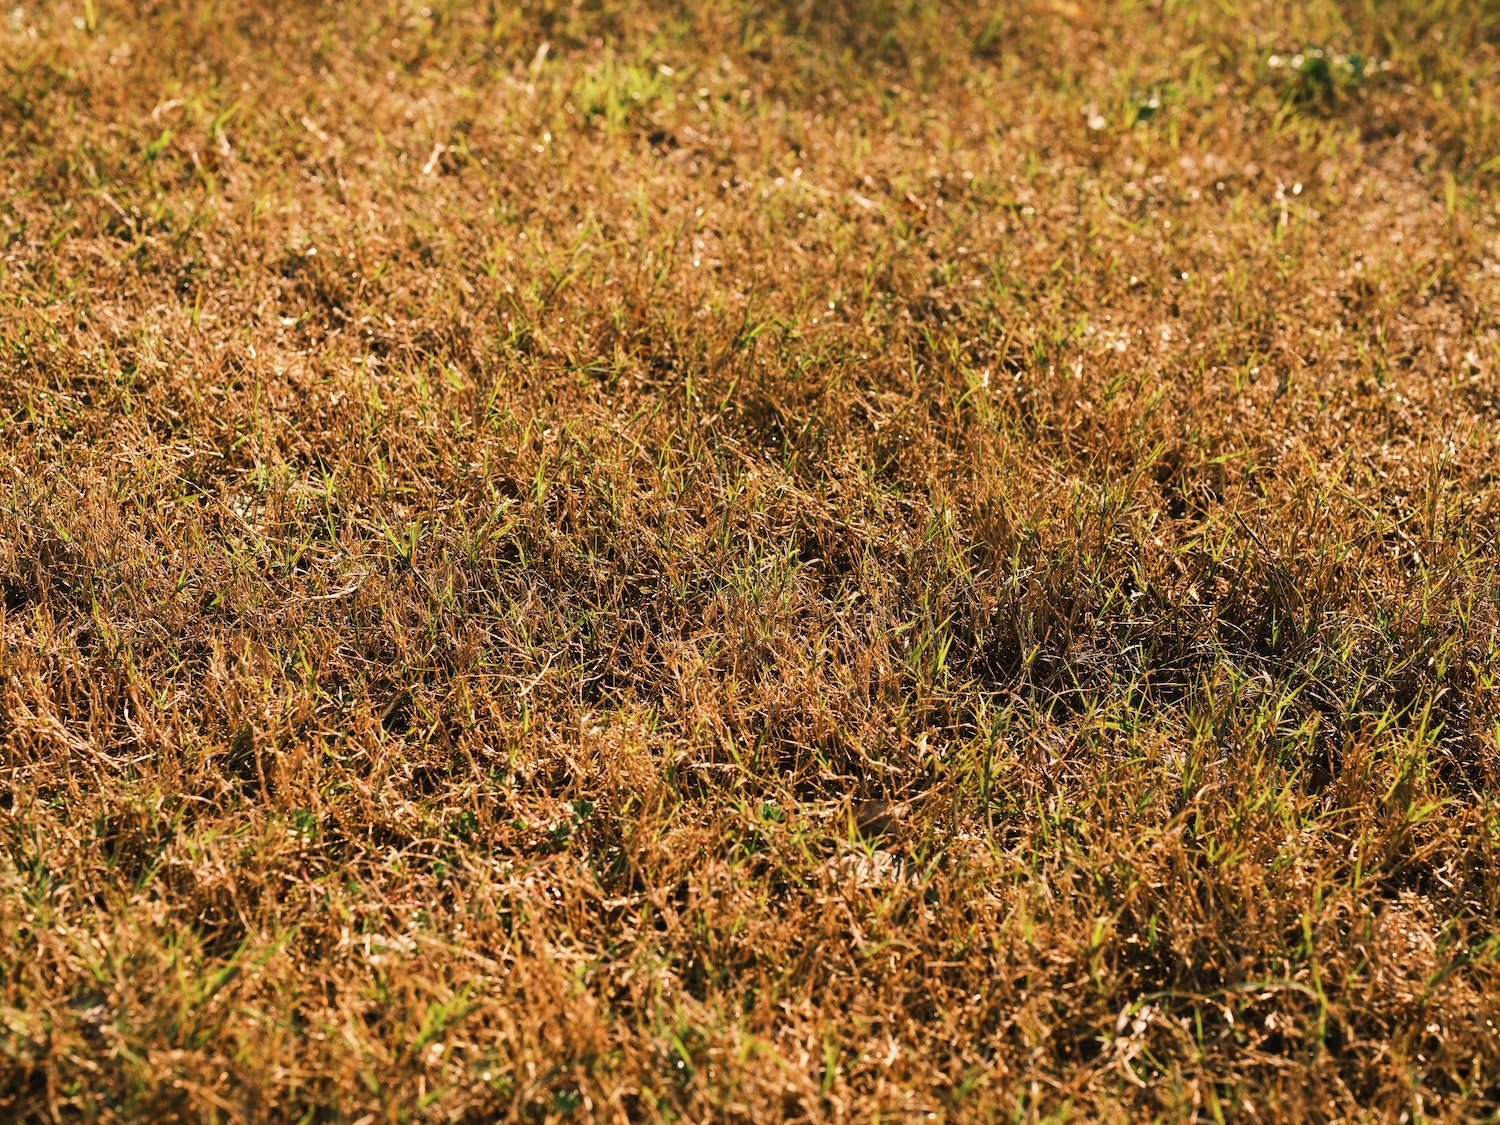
(748, 561)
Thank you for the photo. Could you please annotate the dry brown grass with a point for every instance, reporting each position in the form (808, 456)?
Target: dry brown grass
(495, 497)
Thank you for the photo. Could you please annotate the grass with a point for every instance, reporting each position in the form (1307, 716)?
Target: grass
(609, 560)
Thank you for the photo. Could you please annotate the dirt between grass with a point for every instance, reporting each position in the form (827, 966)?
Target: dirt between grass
(609, 560)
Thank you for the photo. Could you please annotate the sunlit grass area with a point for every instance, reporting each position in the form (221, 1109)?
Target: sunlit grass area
(604, 560)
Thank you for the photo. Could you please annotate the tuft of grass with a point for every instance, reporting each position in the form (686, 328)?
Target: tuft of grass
(749, 561)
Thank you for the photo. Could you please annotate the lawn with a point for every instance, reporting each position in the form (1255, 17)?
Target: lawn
(614, 560)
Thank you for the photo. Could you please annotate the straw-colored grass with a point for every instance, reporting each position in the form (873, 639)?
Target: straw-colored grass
(604, 560)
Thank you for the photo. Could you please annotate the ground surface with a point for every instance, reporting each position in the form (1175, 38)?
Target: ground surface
(495, 498)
